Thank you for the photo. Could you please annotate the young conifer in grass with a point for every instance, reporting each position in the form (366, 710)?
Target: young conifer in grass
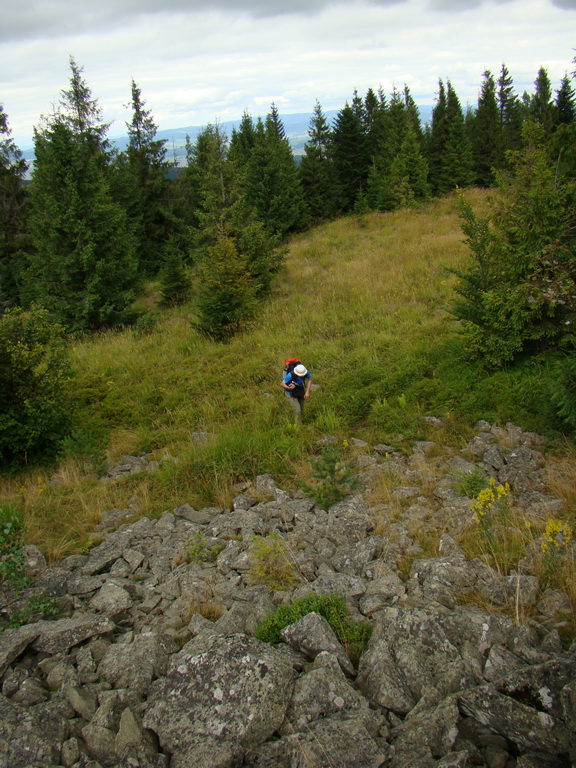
(225, 298)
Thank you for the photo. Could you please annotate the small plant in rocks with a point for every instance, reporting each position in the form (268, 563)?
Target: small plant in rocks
(13, 577)
(12, 559)
(555, 549)
(332, 479)
(471, 484)
(502, 532)
(271, 563)
(198, 551)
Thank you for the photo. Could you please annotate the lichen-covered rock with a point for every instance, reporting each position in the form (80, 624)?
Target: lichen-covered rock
(409, 653)
(136, 664)
(232, 696)
(333, 742)
(27, 737)
(322, 692)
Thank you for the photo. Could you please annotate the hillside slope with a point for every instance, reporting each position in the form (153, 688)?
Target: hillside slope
(362, 301)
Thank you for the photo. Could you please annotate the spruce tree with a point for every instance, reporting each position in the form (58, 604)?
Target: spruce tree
(349, 151)
(438, 140)
(565, 103)
(541, 104)
(458, 153)
(83, 268)
(242, 140)
(519, 293)
(223, 211)
(486, 133)
(142, 186)
(273, 186)
(12, 214)
(317, 170)
(225, 297)
(510, 111)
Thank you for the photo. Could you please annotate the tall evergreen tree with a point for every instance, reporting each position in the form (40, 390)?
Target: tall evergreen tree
(565, 103)
(458, 152)
(83, 268)
(273, 187)
(541, 103)
(438, 139)
(519, 294)
(349, 151)
(510, 111)
(225, 299)
(486, 133)
(142, 185)
(242, 141)
(12, 214)
(317, 170)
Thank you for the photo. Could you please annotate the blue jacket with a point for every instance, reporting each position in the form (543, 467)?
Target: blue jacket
(291, 378)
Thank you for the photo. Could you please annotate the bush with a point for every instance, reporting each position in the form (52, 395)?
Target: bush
(352, 634)
(12, 560)
(34, 413)
(563, 390)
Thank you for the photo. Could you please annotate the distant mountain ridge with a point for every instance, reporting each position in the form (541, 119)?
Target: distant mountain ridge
(295, 125)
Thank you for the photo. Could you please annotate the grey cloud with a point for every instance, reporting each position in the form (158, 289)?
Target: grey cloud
(33, 19)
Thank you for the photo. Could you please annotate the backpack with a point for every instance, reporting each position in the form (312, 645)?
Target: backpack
(289, 365)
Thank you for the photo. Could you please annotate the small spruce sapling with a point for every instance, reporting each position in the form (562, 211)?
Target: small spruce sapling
(333, 480)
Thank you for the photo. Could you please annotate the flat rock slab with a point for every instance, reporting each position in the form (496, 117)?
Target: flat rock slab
(57, 636)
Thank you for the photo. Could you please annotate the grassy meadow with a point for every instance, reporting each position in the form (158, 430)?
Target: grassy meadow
(361, 301)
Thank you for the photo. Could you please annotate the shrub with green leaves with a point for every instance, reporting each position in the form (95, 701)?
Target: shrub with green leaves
(332, 479)
(563, 390)
(517, 294)
(13, 576)
(352, 634)
(34, 411)
(12, 560)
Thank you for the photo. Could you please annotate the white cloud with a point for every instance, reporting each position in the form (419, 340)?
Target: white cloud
(196, 63)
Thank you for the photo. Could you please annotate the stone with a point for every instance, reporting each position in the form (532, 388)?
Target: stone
(322, 692)
(100, 743)
(136, 664)
(334, 742)
(26, 736)
(57, 636)
(13, 642)
(408, 653)
(111, 600)
(82, 701)
(529, 729)
(311, 635)
(232, 697)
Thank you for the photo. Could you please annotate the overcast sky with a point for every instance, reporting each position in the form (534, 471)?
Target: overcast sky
(196, 61)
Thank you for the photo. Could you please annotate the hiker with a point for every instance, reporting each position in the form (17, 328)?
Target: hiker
(297, 381)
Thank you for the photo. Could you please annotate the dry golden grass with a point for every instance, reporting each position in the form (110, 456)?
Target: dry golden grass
(561, 479)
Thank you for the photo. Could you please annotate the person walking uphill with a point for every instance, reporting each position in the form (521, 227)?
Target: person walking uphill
(297, 382)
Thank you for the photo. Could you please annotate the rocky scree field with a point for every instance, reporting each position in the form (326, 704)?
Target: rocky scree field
(155, 658)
